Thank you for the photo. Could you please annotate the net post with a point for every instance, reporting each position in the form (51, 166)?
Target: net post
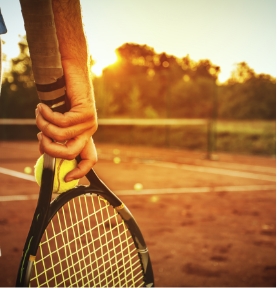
(211, 127)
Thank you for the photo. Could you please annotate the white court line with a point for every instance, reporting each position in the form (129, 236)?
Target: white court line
(212, 170)
(194, 168)
(17, 174)
(221, 165)
(18, 197)
(235, 166)
(202, 169)
(183, 190)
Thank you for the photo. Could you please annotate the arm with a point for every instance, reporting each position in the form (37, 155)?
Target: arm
(79, 124)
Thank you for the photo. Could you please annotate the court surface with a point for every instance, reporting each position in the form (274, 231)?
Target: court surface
(206, 223)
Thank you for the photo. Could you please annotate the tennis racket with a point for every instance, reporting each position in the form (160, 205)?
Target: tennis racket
(85, 236)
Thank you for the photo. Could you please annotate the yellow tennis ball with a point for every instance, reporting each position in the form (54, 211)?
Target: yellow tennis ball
(62, 167)
(116, 160)
(28, 170)
(138, 186)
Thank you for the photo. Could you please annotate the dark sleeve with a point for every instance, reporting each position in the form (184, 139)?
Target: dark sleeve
(3, 28)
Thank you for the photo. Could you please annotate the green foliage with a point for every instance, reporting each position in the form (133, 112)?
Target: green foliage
(143, 83)
(18, 94)
(172, 87)
(248, 95)
(193, 99)
(180, 88)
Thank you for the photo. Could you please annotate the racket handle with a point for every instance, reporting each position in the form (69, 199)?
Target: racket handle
(44, 52)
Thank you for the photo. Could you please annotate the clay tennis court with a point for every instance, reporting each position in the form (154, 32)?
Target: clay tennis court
(206, 223)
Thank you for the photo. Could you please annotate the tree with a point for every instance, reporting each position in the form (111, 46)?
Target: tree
(159, 82)
(18, 96)
(128, 80)
(247, 95)
(241, 73)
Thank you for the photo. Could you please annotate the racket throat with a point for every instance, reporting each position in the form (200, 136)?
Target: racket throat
(49, 162)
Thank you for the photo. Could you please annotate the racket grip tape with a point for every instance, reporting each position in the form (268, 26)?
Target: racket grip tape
(57, 104)
(44, 52)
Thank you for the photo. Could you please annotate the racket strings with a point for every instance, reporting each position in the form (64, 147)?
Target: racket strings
(87, 244)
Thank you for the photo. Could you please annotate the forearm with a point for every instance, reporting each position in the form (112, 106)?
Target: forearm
(72, 41)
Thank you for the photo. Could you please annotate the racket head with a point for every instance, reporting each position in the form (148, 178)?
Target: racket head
(90, 238)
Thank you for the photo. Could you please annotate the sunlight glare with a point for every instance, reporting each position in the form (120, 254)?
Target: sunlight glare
(102, 61)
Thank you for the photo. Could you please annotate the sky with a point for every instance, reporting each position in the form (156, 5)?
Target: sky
(224, 31)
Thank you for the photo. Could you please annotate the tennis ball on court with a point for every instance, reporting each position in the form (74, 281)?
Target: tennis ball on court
(28, 170)
(154, 199)
(116, 151)
(116, 160)
(138, 186)
(62, 167)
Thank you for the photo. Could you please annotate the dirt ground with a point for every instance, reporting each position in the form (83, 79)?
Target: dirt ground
(206, 223)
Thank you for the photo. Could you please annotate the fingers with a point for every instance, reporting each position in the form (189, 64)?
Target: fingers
(62, 127)
(74, 129)
(69, 118)
(69, 151)
(89, 159)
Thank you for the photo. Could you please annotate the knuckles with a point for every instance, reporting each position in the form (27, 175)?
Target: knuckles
(56, 151)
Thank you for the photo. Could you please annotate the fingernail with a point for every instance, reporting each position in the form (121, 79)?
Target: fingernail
(36, 111)
(39, 136)
(39, 107)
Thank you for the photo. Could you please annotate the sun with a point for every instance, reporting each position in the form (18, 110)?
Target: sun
(102, 60)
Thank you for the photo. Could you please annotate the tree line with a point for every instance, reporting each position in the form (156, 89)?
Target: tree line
(146, 84)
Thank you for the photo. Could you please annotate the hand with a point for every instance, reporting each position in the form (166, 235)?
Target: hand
(64, 127)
